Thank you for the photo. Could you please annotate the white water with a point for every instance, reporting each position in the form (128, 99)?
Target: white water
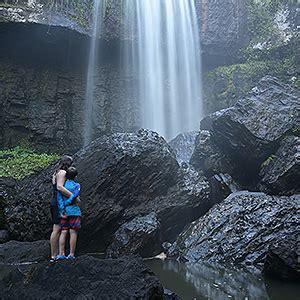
(89, 118)
(164, 53)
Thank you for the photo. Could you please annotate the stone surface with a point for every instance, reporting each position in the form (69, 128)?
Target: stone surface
(281, 171)
(252, 130)
(51, 13)
(45, 108)
(282, 260)
(223, 30)
(137, 235)
(208, 158)
(239, 230)
(4, 236)
(86, 277)
(221, 186)
(184, 145)
(123, 176)
(14, 252)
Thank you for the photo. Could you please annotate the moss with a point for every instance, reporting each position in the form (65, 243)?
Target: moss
(237, 80)
(21, 162)
(268, 160)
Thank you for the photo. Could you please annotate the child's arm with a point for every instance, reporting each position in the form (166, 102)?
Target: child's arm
(75, 194)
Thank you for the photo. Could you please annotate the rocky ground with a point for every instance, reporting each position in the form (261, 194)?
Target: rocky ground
(138, 199)
(26, 273)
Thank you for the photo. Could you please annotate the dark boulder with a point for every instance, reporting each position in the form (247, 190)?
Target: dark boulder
(169, 214)
(184, 145)
(24, 252)
(252, 130)
(282, 260)
(207, 156)
(280, 172)
(123, 176)
(84, 278)
(239, 230)
(136, 236)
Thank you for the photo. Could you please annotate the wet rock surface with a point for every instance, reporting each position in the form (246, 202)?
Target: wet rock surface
(14, 252)
(281, 171)
(282, 260)
(184, 145)
(252, 130)
(221, 186)
(88, 277)
(239, 230)
(123, 176)
(136, 236)
(207, 156)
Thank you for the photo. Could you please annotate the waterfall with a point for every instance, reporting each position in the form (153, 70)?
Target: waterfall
(90, 83)
(164, 54)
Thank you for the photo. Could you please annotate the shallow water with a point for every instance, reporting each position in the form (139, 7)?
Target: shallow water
(214, 282)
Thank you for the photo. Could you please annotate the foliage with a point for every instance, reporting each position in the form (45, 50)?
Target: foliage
(21, 162)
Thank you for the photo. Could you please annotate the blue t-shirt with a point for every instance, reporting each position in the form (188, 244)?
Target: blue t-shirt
(65, 204)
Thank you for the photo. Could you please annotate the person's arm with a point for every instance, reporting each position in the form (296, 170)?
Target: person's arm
(75, 194)
(60, 181)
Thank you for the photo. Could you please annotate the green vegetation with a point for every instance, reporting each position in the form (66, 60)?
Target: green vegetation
(265, 54)
(268, 160)
(21, 162)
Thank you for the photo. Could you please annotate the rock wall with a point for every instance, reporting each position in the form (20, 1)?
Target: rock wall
(43, 86)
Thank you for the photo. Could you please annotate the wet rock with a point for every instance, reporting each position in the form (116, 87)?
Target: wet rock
(184, 145)
(221, 186)
(41, 12)
(136, 236)
(4, 236)
(208, 158)
(239, 230)
(223, 30)
(86, 277)
(280, 172)
(24, 252)
(282, 260)
(123, 176)
(252, 130)
(185, 201)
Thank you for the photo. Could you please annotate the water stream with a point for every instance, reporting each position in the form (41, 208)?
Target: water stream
(90, 83)
(164, 54)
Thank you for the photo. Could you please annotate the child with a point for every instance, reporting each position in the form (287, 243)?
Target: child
(69, 209)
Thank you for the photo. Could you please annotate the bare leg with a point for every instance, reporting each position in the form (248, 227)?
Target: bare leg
(62, 242)
(73, 241)
(54, 238)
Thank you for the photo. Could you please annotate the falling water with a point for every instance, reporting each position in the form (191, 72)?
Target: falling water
(90, 86)
(164, 53)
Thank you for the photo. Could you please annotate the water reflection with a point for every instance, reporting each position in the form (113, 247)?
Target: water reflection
(215, 282)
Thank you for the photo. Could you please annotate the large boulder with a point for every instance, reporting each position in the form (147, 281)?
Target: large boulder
(84, 278)
(145, 235)
(281, 172)
(207, 156)
(123, 176)
(14, 252)
(252, 130)
(239, 230)
(183, 145)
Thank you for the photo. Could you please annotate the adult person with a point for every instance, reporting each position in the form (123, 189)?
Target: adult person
(58, 181)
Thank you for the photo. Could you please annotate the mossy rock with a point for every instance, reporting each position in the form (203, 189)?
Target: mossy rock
(21, 162)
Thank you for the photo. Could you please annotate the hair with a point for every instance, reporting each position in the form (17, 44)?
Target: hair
(71, 173)
(65, 162)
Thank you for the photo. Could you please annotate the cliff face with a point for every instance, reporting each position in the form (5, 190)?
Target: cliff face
(44, 55)
(43, 86)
